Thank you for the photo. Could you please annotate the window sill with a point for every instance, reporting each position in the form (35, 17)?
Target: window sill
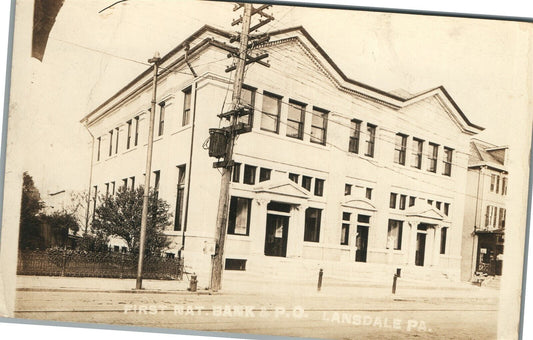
(111, 157)
(131, 149)
(173, 232)
(363, 156)
(395, 251)
(238, 237)
(181, 129)
(290, 139)
(419, 171)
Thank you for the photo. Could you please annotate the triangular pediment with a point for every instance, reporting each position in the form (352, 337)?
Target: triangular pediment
(282, 188)
(360, 204)
(426, 212)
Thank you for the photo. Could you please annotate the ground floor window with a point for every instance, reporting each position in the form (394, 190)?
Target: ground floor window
(394, 234)
(312, 224)
(345, 231)
(443, 234)
(239, 216)
(235, 264)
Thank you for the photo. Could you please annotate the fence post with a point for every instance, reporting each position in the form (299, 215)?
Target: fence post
(320, 274)
(181, 269)
(122, 265)
(64, 263)
(395, 278)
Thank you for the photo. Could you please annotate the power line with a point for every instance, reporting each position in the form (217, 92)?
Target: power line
(374, 163)
(361, 132)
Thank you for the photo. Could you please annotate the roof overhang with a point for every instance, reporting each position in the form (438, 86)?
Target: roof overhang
(206, 36)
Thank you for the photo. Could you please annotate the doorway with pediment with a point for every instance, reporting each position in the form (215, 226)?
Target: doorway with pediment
(427, 235)
(277, 228)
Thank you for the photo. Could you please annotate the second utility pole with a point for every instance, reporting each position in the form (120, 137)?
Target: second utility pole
(222, 213)
(144, 218)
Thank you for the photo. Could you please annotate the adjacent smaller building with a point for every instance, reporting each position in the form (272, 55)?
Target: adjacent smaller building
(485, 210)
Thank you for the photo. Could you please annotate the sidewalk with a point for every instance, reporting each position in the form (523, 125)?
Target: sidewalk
(240, 284)
(25, 282)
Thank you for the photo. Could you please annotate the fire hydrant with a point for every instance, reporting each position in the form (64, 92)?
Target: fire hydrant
(193, 283)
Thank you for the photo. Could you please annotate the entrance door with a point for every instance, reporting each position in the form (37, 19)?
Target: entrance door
(420, 249)
(361, 242)
(277, 228)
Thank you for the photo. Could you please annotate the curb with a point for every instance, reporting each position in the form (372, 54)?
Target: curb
(131, 291)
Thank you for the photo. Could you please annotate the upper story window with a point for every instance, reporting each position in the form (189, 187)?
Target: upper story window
(448, 153)
(494, 183)
(110, 142)
(368, 193)
(418, 149)
(490, 217)
(236, 172)
(370, 140)
(504, 186)
(501, 218)
(294, 177)
(319, 124)
(186, 106)
(249, 174)
(392, 200)
(264, 174)
(161, 125)
(99, 144)
(295, 120)
(403, 200)
(319, 187)
(432, 157)
(248, 100)
(128, 139)
(156, 182)
(136, 136)
(347, 189)
(306, 182)
(117, 130)
(271, 112)
(400, 149)
(355, 135)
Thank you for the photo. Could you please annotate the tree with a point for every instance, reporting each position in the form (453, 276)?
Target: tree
(120, 216)
(77, 206)
(30, 222)
(93, 242)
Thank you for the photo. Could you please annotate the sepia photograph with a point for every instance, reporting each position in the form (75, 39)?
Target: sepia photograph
(233, 169)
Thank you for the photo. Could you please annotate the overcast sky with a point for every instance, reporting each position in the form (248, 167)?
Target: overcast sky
(90, 56)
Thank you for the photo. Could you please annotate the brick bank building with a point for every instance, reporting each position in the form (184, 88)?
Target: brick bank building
(335, 174)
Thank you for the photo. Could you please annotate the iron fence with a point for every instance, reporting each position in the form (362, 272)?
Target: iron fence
(96, 264)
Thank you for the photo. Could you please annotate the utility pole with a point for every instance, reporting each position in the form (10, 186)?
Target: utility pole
(234, 129)
(142, 242)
